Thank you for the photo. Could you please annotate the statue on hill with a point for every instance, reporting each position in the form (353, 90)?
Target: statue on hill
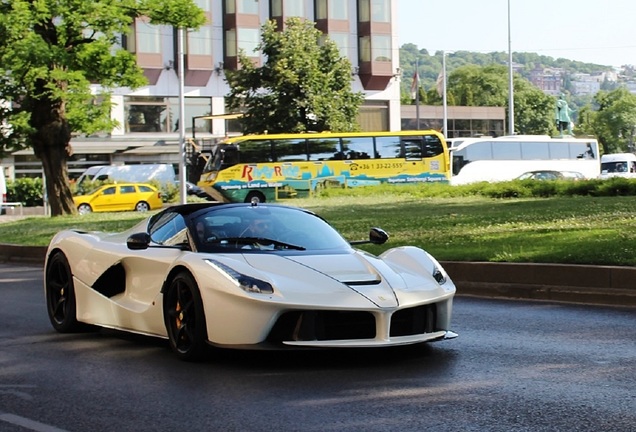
(563, 115)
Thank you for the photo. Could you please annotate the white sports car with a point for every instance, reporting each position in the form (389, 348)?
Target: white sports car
(245, 275)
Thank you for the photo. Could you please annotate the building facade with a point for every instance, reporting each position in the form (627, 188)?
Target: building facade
(149, 120)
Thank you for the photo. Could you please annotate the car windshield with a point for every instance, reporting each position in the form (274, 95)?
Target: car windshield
(263, 228)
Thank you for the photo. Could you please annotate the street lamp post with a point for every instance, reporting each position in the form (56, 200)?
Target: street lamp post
(511, 99)
(182, 123)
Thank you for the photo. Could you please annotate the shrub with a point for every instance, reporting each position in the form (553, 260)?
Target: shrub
(28, 191)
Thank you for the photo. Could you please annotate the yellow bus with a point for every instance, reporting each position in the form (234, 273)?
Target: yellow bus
(277, 166)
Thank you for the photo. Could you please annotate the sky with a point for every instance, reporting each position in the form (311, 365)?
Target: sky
(591, 31)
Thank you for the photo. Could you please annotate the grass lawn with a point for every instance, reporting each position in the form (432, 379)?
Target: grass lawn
(575, 230)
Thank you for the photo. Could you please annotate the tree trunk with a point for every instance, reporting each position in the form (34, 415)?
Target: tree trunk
(51, 144)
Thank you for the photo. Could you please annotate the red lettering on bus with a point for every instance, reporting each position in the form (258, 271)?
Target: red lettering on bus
(247, 172)
(278, 171)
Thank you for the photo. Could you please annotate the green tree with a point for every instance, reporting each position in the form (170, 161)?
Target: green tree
(614, 123)
(51, 53)
(304, 84)
(473, 85)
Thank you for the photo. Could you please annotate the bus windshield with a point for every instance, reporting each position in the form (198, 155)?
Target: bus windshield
(272, 167)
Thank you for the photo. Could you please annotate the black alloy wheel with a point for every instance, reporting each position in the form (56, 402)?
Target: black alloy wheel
(60, 295)
(185, 319)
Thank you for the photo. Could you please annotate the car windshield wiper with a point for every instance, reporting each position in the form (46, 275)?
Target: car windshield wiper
(260, 240)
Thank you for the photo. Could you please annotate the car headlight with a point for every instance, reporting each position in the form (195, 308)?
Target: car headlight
(246, 283)
(439, 275)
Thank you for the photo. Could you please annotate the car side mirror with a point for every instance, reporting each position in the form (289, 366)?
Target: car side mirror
(138, 241)
(378, 236)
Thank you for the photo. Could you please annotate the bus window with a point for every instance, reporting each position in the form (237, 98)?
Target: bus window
(256, 151)
(388, 147)
(432, 146)
(357, 148)
(412, 147)
(579, 150)
(506, 150)
(323, 149)
(559, 150)
(535, 150)
(229, 156)
(290, 150)
(479, 151)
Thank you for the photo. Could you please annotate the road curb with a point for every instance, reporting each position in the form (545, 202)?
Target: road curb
(598, 285)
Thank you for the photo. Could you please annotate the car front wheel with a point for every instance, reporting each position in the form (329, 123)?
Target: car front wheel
(60, 295)
(84, 209)
(184, 318)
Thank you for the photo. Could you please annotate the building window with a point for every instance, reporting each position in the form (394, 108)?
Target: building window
(203, 4)
(288, 8)
(156, 114)
(148, 38)
(200, 41)
(374, 10)
(248, 40)
(230, 43)
(381, 11)
(381, 48)
(241, 6)
(365, 49)
(341, 40)
(374, 116)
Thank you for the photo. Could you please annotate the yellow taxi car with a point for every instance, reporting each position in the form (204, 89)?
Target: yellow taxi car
(120, 197)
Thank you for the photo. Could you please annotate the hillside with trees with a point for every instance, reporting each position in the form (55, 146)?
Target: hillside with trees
(430, 65)
(478, 79)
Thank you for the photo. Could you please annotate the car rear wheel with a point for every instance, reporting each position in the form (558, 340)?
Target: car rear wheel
(84, 209)
(60, 295)
(184, 318)
(142, 206)
(250, 196)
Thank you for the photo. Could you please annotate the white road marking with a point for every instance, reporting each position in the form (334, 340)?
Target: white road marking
(28, 424)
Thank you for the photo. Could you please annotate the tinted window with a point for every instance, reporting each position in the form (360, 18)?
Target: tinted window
(127, 189)
(357, 148)
(478, 151)
(412, 147)
(388, 147)
(581, 151)
(559, 150)
(168, 229)
(323, 149)
(290, 150)
(109, 191)
(502, 150)
(143, 188)
(255, 151)
(535, 150)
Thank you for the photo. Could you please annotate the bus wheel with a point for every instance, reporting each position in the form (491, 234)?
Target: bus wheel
(255, 195)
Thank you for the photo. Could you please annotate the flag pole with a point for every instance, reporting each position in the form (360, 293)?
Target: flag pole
(417, 92)
(444, 101)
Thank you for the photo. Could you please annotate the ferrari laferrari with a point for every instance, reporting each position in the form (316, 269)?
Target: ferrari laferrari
(246, 275)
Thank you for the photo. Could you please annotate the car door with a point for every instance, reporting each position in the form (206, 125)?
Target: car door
(128, 197)
(105, 200)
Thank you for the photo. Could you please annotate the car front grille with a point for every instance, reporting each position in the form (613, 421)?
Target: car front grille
(327, 325)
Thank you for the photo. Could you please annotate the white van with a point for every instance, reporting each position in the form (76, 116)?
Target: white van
(163, 173)
(3, 190)
(618, 165)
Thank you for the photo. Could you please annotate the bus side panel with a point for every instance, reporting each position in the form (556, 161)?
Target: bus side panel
(301, 179)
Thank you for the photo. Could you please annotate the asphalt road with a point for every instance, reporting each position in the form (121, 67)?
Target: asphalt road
(516, 366)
